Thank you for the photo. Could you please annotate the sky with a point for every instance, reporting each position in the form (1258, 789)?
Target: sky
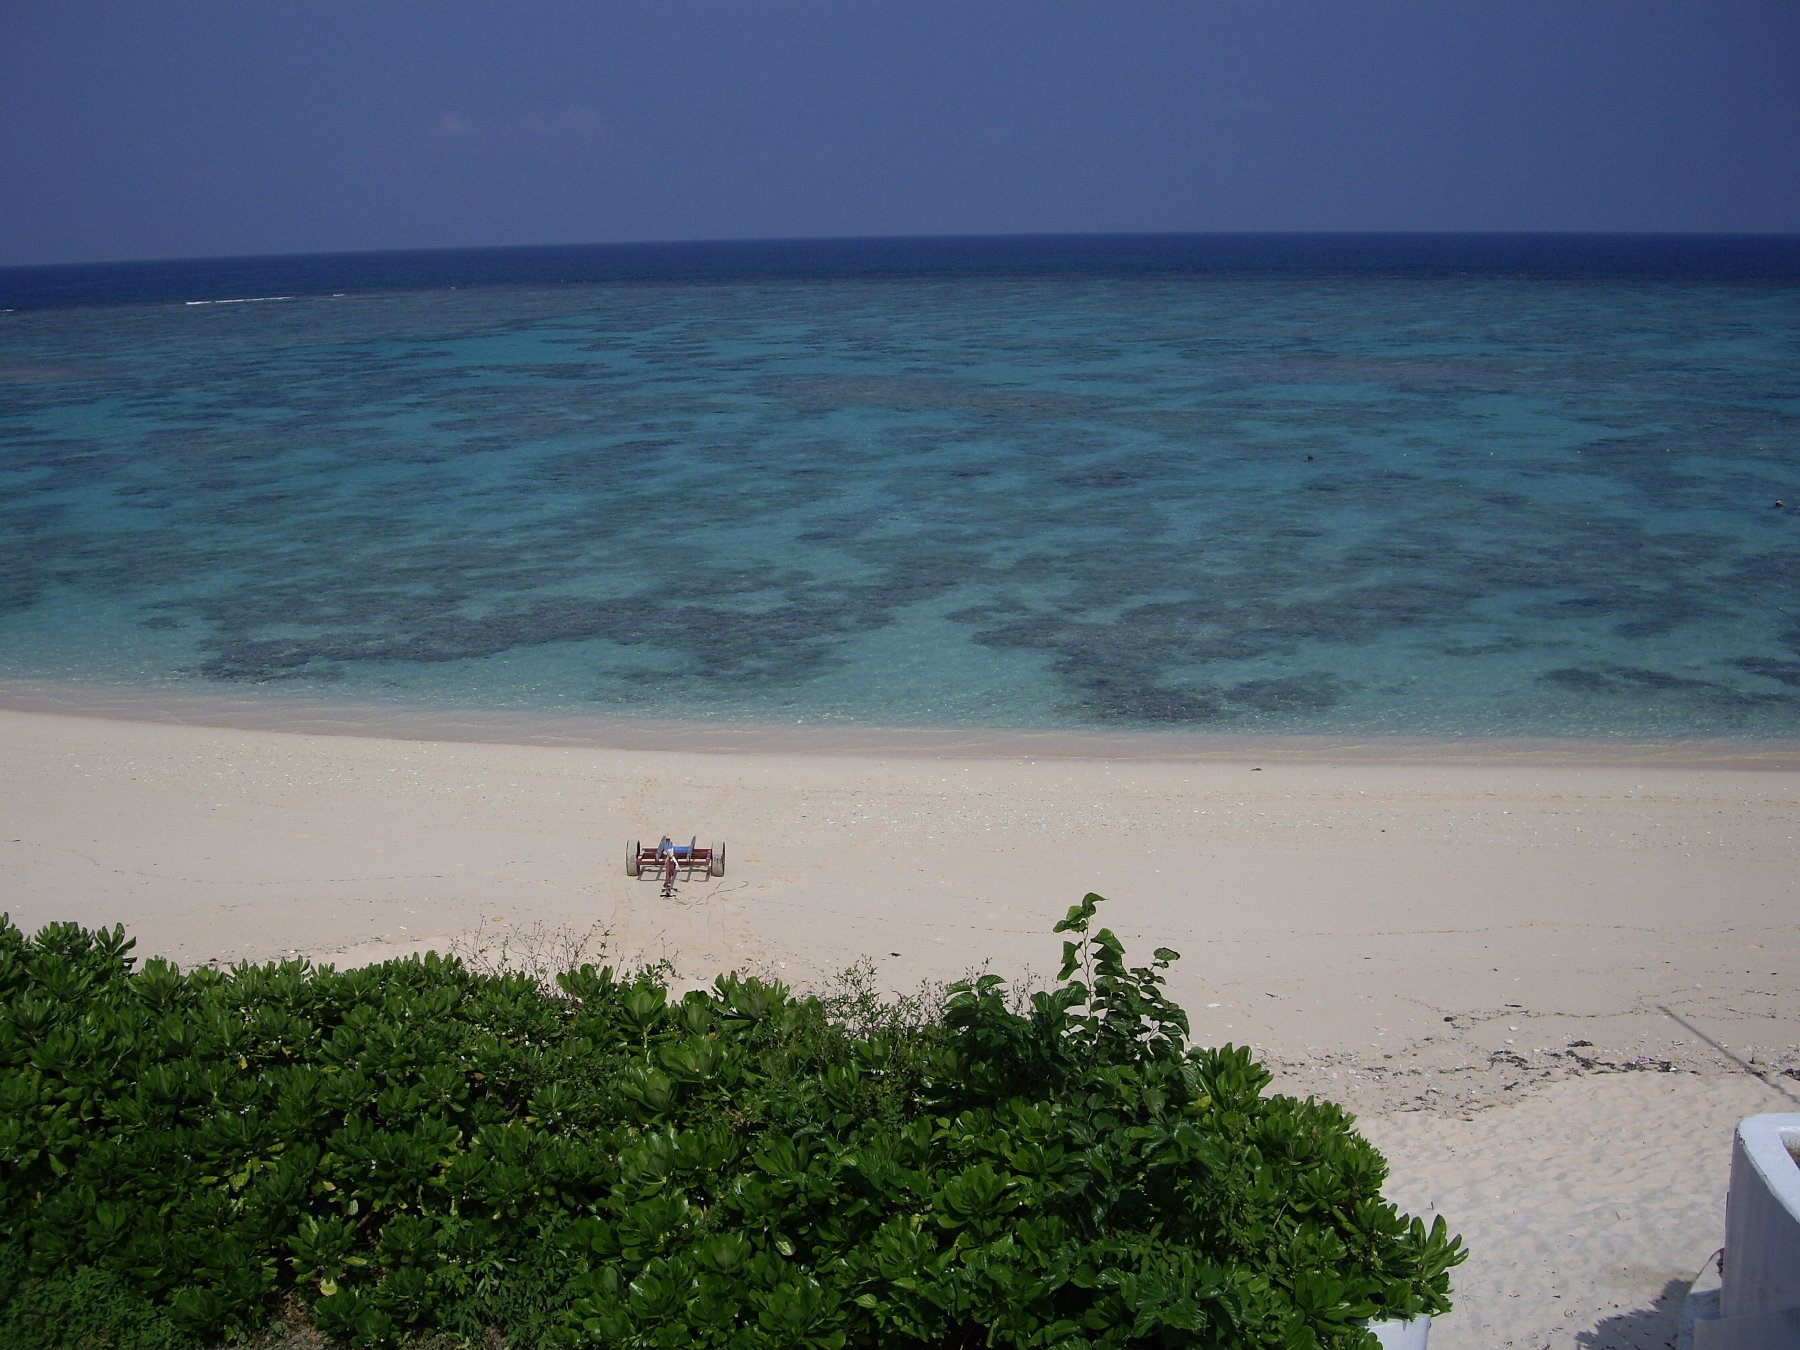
(201, 128)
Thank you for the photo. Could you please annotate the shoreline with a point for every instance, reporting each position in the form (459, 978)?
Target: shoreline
(1547, 987)
(311, 715)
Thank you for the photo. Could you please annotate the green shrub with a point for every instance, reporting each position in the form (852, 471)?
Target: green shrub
(416, 1147)
(79, 1309)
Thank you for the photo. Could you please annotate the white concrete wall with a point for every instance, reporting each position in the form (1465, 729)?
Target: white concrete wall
(1762, 1219)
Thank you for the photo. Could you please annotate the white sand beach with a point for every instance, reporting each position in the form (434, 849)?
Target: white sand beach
(1548, 982)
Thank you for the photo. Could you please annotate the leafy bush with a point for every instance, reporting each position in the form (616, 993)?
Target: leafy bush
(416, 1146)
(78, 1309)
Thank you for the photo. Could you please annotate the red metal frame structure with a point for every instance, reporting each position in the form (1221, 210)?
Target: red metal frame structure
(689, 858)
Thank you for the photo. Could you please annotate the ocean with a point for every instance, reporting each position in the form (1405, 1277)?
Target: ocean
(1407, 486)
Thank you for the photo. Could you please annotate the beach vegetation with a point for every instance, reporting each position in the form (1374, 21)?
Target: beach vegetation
(422, 1153)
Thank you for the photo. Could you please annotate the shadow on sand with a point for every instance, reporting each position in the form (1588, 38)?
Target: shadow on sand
(1653, 1328)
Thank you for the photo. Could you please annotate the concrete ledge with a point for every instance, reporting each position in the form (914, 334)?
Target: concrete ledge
(1762, 1219)
(1756, 1305)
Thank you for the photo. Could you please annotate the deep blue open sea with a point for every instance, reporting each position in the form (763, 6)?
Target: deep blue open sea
(1415, 486)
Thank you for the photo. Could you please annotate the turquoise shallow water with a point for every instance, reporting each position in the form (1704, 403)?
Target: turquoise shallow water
(1322, 501)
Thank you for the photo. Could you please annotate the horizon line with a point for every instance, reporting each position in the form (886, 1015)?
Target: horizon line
(948, 236)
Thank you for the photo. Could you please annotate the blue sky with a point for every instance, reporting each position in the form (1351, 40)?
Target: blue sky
(173, 129)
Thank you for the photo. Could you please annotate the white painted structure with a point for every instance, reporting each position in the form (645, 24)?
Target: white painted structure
(1408, 1335)
(1757, 1304)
